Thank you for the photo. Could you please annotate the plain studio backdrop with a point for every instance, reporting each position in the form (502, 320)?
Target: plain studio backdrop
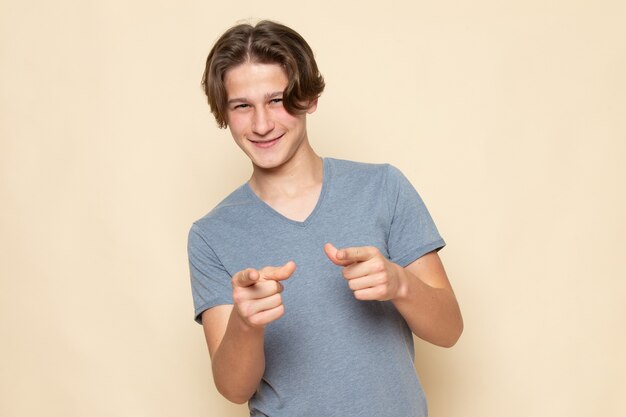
(508, 117)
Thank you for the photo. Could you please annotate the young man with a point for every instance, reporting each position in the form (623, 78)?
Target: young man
(294, 325)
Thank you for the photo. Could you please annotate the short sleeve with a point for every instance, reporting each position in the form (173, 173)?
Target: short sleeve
(210, 282)
(412, 233)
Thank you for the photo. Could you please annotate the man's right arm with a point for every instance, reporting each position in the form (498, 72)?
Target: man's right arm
(235, 333)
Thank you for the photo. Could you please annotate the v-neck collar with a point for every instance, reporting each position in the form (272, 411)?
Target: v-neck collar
(326, 176)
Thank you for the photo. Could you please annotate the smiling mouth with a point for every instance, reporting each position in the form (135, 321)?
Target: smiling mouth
(265, 143)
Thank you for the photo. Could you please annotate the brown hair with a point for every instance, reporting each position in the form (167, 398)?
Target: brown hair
(267, 43)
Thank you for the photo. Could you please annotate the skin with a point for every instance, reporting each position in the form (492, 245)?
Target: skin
(288, 175)
(421, 291)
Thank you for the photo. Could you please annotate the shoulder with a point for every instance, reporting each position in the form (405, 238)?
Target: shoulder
(364, 174)
(233, 206)
(344, 166)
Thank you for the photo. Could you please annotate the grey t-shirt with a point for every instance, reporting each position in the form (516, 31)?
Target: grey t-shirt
(330, 354)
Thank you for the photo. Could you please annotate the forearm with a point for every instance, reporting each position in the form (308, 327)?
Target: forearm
(432, 314)
(239, 362)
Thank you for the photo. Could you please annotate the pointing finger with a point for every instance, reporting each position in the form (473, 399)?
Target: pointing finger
(357, 253)
(246, 278)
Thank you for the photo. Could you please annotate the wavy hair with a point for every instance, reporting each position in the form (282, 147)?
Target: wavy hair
(266, 43)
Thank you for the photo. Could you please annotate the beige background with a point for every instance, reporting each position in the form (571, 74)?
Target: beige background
(508, 117)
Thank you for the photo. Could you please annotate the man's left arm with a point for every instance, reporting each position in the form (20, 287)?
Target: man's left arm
(421, 291)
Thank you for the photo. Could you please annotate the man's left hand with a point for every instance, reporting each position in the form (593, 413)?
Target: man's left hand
(370, 275)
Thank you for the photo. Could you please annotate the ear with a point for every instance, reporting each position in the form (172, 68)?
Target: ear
(312, 106)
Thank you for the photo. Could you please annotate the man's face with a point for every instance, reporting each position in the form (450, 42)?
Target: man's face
(258, 122)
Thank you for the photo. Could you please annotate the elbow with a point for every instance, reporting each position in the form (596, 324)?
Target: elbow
(233, 396)
(448, 343)
(454, 336)
(454, 331)
(449, 339)
(235, 390)
(238, 400)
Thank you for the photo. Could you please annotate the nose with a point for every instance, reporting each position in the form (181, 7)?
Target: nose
(262, 123)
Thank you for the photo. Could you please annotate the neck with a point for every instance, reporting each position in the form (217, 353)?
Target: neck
(304, 171)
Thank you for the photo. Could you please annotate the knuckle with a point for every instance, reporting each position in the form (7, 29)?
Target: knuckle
(244, 309)
(238, 296)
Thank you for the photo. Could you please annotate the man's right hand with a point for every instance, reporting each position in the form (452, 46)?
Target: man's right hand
(256, 293)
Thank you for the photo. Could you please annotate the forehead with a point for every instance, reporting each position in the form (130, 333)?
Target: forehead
(253, 80)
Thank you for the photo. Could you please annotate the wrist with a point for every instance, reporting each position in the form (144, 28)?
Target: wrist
(243, 326)
(403, 284)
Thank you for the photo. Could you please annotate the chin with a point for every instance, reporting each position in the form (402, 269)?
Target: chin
(267, 165)
(271, 163)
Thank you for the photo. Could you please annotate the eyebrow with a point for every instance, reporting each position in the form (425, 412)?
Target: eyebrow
(268, 96)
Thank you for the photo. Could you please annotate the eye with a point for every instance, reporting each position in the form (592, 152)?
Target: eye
(276, 100)
(241, 106)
